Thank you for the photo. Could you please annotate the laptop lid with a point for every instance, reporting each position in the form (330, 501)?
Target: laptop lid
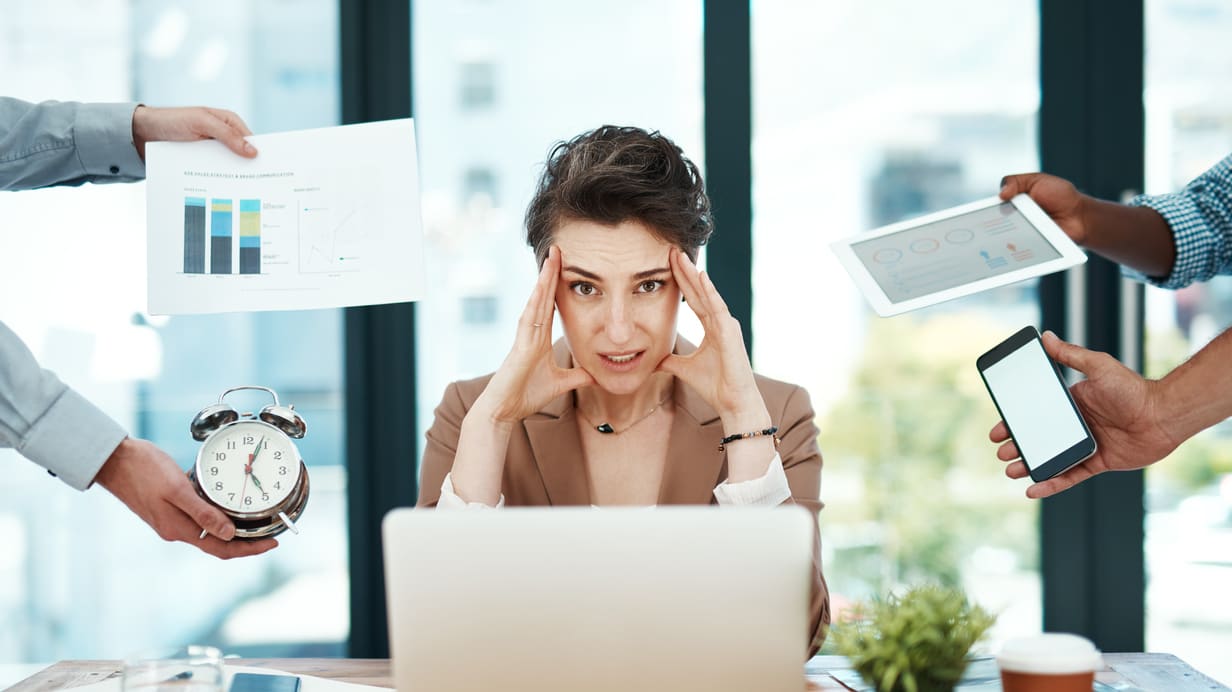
(556, 599)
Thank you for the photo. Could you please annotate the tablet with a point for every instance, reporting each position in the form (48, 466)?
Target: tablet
(956, 252)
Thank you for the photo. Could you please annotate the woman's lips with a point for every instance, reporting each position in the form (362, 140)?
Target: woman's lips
(621, 362)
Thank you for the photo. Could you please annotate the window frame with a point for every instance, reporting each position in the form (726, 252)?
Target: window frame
(1091, 132)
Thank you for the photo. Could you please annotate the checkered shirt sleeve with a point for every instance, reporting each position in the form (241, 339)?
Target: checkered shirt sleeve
(1201, 219)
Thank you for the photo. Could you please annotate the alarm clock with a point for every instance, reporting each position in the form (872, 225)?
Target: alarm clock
(248, 465)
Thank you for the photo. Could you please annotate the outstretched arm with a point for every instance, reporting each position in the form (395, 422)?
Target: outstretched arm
(150, 483)
(1135, 421)
(1137, 237)
(56, 428)
(69, 143)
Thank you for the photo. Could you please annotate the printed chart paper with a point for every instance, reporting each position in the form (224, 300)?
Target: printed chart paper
(321, 218)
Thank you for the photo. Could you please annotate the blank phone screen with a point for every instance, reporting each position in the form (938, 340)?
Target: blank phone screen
(1034, 404)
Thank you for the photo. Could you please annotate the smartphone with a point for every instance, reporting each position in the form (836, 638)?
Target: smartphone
(257, 682)
(1035, 405)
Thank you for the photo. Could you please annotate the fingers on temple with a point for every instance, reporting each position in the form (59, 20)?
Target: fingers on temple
(538, 311)
(687, 277)
(547, 302)
(530, 313)
(714, 301)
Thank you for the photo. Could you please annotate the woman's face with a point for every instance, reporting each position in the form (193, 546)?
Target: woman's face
(617, 301)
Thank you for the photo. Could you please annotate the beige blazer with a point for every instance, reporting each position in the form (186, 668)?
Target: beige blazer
(543, 461)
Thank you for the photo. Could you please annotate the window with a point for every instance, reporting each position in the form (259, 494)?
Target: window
(479, 187)
(478, 85)
(1188, 103)
(853, 130)
(479, 310)
(651, 78)
(80, 576)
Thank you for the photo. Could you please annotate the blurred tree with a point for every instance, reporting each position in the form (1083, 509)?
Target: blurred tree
(913, 429)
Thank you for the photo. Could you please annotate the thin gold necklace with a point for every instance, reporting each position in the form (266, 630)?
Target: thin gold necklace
(607, 429)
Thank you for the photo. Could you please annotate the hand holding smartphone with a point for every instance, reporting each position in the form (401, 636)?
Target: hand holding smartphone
(1035, 405)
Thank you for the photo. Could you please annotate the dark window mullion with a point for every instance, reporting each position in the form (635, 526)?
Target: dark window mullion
(380, 340)
(728, 126)
(1091, 133)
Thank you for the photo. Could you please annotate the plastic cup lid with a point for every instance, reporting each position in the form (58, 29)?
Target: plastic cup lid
(1050, 654)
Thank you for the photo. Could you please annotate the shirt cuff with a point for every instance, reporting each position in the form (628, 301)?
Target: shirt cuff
(103, 137)
(769, 490)
(72, 440)
(450, 500)
(1194, 248)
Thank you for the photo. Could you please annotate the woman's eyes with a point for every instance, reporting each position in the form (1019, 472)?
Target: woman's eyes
(585, 288)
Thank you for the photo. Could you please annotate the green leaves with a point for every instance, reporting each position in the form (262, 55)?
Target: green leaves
(917, 642)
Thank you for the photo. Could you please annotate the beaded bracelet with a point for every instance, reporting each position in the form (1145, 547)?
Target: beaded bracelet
(756, 433)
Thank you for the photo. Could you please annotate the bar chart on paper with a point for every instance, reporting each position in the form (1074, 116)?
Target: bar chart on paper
(321, 238)
(306, 224)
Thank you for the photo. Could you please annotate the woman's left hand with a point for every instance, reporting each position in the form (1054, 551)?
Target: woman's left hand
(719, 369)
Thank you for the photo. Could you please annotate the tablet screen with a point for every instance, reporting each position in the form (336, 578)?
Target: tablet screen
(953, 252)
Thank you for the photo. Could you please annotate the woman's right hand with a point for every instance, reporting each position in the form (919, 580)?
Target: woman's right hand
(1057, 197)
(529, 377)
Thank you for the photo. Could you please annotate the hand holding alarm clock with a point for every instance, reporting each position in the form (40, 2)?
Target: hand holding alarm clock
(249, 466)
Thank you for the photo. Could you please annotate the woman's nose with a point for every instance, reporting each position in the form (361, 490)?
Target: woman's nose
(619, 328)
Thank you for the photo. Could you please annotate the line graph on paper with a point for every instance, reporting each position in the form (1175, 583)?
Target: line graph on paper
(334, 233)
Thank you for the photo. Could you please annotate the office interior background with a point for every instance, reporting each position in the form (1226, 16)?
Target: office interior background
(812, 120)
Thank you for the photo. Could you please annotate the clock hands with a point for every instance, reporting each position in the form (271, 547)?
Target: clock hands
(252, 459)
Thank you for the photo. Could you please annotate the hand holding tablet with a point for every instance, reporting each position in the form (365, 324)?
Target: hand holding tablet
(956, 252)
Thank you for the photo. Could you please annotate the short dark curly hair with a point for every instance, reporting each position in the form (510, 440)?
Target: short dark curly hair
(614, 174)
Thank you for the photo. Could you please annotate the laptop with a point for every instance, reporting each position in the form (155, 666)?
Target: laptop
(571, 599)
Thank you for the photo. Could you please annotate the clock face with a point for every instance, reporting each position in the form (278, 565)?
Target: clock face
(248, 466)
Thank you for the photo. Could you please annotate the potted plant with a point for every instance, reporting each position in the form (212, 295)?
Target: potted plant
(916, 642)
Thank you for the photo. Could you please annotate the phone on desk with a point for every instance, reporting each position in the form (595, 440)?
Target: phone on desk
(1035, 405)
(257, 682)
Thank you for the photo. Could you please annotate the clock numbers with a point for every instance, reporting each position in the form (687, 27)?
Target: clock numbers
(248, 469)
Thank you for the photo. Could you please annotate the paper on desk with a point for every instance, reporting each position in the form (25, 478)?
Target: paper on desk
(982, 675)
(307, 683)
(321, 218)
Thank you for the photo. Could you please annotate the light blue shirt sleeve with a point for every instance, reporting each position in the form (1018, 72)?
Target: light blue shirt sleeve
(41, 145)
(1201, 219)
(54, 143)
(49, 423)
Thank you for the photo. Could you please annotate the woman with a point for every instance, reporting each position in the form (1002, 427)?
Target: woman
(622, 411)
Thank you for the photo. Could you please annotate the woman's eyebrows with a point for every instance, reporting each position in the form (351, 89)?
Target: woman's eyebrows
(646, 274)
